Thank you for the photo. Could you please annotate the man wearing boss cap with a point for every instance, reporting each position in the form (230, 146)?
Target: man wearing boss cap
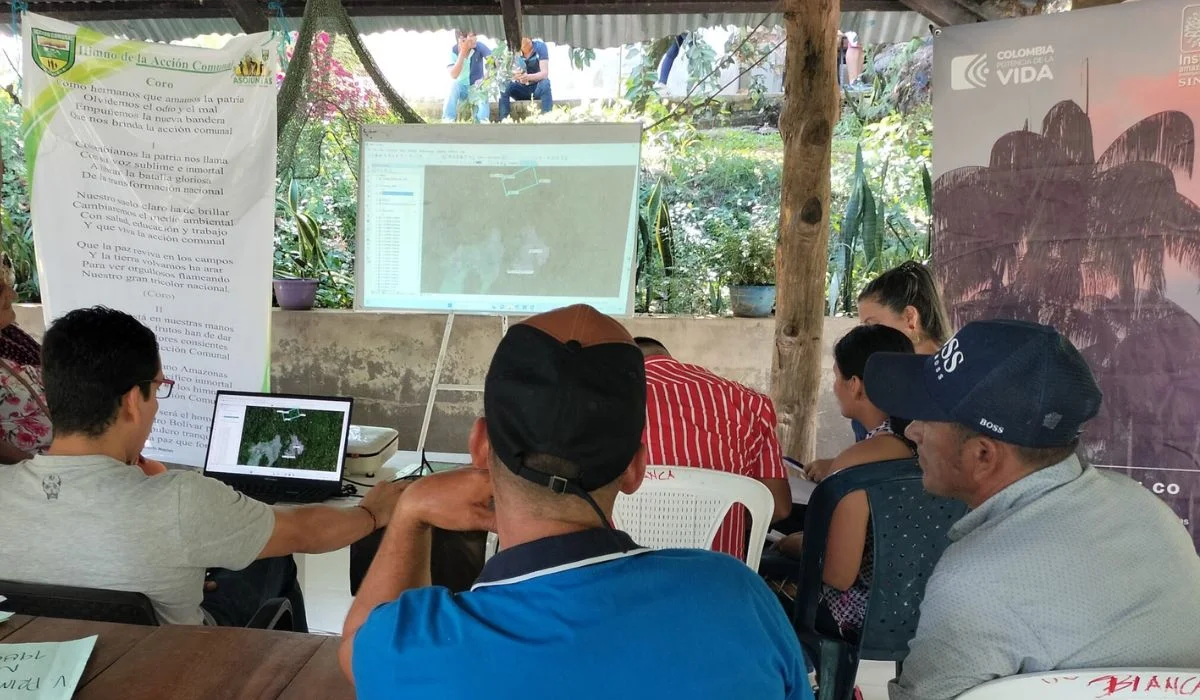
(570, 607)
(1058, 565)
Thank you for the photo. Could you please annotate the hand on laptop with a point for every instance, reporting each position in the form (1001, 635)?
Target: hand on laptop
(458, 500)
(381, 500)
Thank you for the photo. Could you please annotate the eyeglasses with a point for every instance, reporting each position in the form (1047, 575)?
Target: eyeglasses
(164, 387)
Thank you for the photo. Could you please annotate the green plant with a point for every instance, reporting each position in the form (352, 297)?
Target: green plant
(497, 73)
(746, 258)
(582, 58)
(14, 201)
(639, 86)
(307, 259)
(655, 247)
(703, 64)
(863, 222)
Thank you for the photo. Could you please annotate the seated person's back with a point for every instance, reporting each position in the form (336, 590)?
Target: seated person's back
(1058, 565)
(647, 624)
(86, 515)
(849, 566)
(695, 418)
(99, 523)
(569, 608)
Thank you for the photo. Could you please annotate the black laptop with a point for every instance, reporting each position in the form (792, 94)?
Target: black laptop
(278, 447)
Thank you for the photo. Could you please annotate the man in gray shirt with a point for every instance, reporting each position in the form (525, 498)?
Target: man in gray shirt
(1058, 565)
(84, 514)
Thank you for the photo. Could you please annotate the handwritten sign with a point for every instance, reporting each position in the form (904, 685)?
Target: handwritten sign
(1144, 684)
(44, 670)
(659, 474)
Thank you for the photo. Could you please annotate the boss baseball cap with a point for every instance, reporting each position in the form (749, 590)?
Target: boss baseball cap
(1021, 383)
(571, 384)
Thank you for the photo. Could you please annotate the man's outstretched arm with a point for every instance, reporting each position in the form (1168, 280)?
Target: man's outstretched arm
(458, 500)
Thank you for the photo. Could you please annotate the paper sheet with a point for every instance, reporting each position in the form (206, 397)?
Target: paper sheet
(43, 670)
(800, 484)
(4, 615)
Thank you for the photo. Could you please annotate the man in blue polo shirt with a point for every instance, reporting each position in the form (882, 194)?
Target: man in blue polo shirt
(466, 69)
(531, 81)
(570, 607)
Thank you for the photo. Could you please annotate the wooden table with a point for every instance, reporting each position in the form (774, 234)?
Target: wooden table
(181, 662)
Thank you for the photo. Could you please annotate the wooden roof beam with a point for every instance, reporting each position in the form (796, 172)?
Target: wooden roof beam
(944, 13)
(688, 7)
(250, 17)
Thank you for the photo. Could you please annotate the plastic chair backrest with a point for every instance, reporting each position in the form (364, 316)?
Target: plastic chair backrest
(1086, 684)
(45, 600)
(685, 506)
(910, 533)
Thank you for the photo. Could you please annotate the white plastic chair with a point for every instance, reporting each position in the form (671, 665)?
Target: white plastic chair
(1087, 684)
(685, 506)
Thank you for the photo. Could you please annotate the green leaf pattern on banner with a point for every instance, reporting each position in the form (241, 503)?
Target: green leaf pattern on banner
(87, 70)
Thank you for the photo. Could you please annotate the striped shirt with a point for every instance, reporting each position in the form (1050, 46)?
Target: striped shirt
(696, 419)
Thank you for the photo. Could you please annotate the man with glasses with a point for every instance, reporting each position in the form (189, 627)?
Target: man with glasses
(83, 514)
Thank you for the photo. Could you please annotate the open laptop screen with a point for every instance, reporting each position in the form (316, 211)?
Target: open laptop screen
(290, 437)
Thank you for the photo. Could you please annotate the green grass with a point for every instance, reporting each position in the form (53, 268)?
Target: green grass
(740, 142)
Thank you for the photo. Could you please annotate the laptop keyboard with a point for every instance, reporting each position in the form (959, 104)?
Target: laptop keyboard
(270, 493)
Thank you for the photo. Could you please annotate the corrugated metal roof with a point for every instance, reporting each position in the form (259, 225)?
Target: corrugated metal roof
(604, 31)
(582, 31)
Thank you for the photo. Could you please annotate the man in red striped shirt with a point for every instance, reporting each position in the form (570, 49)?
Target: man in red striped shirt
(696, 419)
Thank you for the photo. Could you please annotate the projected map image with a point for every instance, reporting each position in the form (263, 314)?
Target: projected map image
(526, 230)
(291, 438)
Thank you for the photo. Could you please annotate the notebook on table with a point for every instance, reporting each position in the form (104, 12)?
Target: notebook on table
(279, 447)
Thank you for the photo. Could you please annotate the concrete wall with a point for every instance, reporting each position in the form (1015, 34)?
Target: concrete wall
(386, 362)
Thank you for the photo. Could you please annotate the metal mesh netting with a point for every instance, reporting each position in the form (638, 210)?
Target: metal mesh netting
(330, 74)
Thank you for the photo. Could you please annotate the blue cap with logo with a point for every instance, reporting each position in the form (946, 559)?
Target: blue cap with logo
(1021, 383)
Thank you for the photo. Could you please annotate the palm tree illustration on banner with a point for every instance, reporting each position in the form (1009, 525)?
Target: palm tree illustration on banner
(1048, 232)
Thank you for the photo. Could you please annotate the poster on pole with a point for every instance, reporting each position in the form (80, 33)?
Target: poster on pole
(1066, 193)
(152, 186)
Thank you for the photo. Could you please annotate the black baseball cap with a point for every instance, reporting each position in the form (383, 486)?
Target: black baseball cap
(571, 384)
(1022, 383)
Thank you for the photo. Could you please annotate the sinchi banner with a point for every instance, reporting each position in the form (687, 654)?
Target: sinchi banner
(152, 176)
(1065, 193)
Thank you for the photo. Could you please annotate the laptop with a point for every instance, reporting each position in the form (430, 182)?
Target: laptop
(279, 447)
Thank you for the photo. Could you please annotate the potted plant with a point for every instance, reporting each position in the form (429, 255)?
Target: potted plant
(297, 269)
(747, 261)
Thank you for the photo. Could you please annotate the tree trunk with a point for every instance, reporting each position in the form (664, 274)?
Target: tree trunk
(810, 111)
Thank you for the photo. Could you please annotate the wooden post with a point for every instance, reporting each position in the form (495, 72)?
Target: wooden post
(810, 111)
(514, 17)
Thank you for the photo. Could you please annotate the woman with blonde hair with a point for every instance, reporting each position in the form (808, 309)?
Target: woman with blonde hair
(907, 298)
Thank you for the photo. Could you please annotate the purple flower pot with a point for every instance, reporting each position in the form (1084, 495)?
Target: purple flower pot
(296, 295)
